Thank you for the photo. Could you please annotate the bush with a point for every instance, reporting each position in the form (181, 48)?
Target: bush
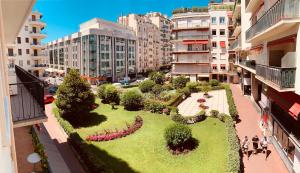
(204, 83)
(206, 88)
(132, 100)
(217, 87)
(178, 118)
(222, 117)
(167, 87)
(232, 108)
(180, 82)
(214, 82)
(146, 86)
(40, 149)
(74, 95)
(233, 163)
(197, 118)
(176, 135)
(186, 91)
(157, 89)
(111, 94)
(157, 77)
(165, 96)
(192, 86)
(176, 100)
(101, 91)
(154, 106)
(166, 111)
(214, 113)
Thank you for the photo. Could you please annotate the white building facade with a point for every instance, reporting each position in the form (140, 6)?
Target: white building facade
(101, 50)
(28, 51)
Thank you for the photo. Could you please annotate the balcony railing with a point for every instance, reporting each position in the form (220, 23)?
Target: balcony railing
(282, 77)
(282, 9)
(27, 97)
(236, 43)
(39, 65)
(192, 37)
(249, 63)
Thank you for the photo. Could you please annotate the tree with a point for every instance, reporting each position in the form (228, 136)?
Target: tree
(180, 82)
(157, 77)
(132, 100)
(146, 85)
(111, 94)
(101, 91)
(74, 95)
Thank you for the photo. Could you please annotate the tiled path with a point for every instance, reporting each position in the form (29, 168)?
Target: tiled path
(249, 126)
(217, 101)
(56, 133)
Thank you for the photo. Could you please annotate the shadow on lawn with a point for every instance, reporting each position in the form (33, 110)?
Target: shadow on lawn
(86, 120)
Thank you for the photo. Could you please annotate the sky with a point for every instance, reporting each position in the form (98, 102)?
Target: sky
(63, 17)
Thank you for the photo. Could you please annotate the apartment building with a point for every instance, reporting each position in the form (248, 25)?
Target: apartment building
(149, 52)
(27, 50)
(200, 40)
(101, 50)
(164, 25)
(268, 54)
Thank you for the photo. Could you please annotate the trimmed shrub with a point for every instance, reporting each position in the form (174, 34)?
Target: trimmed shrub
(157, 89)
(232, 108)
(132, 100)
(192, 86)
(176, 135)
(173, 109)
(214, 82)
(186, 91)
(167, 87)
(111, 95)
(203, 83)
(178, 118)
(74, 95)
(214, 113)
(180, 82)
(206, 88)
(40, 149)
(222, 117)
(157, 77)
(146, 86)
(233, 163)
(101, 91)
(217, 87)
(154, 106)
(176, 100)
(165, 96)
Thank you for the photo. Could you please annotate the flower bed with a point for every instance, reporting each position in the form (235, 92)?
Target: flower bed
(110, 135)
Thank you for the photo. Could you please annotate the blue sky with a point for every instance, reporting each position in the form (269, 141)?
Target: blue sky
(64, 16)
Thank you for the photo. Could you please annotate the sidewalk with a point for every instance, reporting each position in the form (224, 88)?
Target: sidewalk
(249, 127)
(57, 134)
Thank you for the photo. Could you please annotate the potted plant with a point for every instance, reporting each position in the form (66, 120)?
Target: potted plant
(206, 89)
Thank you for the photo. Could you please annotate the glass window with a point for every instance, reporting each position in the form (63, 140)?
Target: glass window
(27, 51)
(213, 32)
(213, 20)
(214, 44)
(19, 40)
(222, 31)
(27, 40)
(19, 51)
(222, 20)
(28, 62)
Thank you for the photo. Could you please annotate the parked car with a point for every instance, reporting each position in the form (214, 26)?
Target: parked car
(48, 99)
(52, 89)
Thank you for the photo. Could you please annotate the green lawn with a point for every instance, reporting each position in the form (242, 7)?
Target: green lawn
(145, 150)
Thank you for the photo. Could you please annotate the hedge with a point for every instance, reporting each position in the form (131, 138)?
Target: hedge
(232, 108)
(39, 148)
(130, 86)
(234, 160)
(90, 160)
(176, 100)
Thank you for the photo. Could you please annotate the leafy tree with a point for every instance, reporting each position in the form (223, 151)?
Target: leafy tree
(111, 94)
(132, 100)
(157, 77)
(146, 85)
(74, 95)
(180, 82)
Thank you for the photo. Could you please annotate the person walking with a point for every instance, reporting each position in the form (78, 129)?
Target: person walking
(245, 146)
(255, 141)
(264, 146)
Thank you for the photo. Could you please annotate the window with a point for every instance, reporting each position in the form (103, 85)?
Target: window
(27, 51)
(214, 67)
(214, 57)
(222, 31)
(28, 62)
(222, 44)
(213, 20)
(19, 40)
(27, 40)
(214, 44)
(21, 63)
(222, 20)
(19, 51)
(214, 32)
(223, 67)
(10, 52)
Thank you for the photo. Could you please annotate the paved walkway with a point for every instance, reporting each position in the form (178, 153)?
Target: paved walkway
(249, 126)
(57, 134)
(217, 101)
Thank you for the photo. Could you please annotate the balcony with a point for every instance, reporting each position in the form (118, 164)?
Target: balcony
(37, 45)
(37, 22)
(283, 15)
(192, 37)
(281, 79)
(27, 99)
(190, 26)
(237, 44)
(41, 34)
(249, 65)
(38, 66)
(186, 69)
(191, 51)
(38, 56)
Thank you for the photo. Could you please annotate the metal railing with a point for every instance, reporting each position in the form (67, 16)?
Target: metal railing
(249, 63)
(39, 65)
(282, 9)
(192, 37)
(27, 96)
(282, 77)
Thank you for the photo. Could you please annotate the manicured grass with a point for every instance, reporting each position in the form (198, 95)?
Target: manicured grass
(145, 150)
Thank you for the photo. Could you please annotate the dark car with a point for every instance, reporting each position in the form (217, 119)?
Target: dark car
(52, 89)
(48, 99)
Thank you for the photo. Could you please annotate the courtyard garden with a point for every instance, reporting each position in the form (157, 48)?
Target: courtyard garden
(141, 129)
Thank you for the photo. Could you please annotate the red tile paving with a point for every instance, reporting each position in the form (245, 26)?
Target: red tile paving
(249, 126)
(57, 134)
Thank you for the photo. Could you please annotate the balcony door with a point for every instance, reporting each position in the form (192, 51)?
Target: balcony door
(33, 18)
(35, 52)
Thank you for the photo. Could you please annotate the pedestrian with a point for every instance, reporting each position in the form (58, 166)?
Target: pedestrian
(255, 141)
(264, 145)
(245, 145)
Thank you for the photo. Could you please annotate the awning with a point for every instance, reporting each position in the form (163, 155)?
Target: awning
(195, 42)
(223, 44)
(288, 101)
